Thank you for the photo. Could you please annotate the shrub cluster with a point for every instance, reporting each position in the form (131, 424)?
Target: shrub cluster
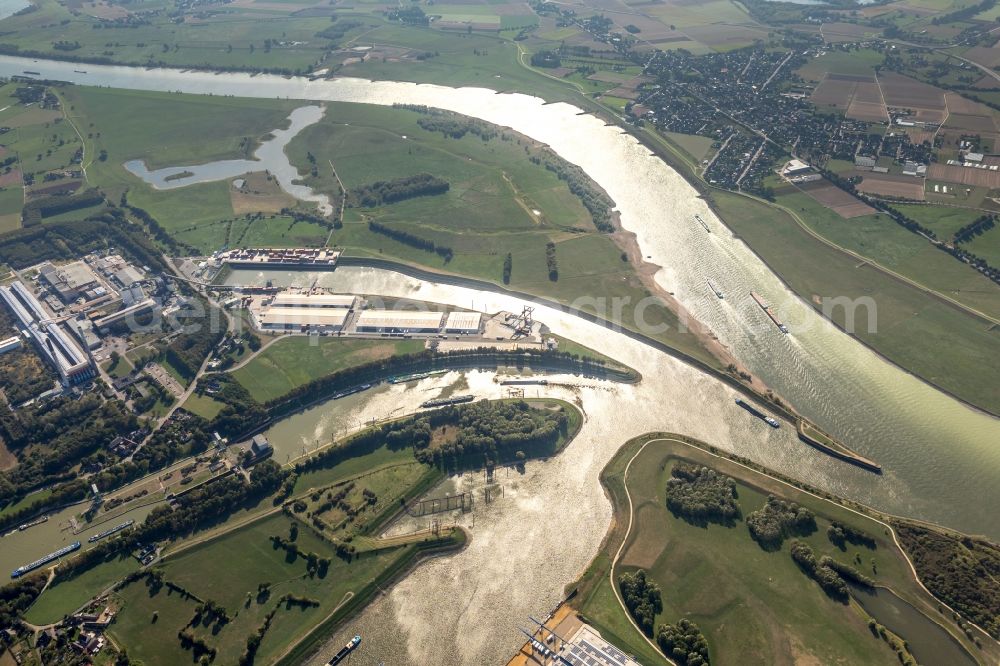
(642, 598)
(840, 535)
(828, 579)
(777, 520)
(701, 495)
(959, 571)
(684, 643)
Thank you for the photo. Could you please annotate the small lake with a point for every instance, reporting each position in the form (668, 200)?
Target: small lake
(929, 642)
(270, 156)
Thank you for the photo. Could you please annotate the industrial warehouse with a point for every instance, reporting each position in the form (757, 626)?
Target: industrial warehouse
(314, 312)
(70, 361)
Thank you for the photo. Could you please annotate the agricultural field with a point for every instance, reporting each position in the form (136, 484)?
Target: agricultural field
(230, 571)
(935, 341)
(748, 599)
(40, 150)
(293, 361)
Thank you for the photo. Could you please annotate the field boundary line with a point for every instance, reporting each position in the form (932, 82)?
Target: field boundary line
(860, 257)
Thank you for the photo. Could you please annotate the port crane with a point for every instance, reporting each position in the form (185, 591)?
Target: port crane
(546, 652)
(541, 625)
(523, 323)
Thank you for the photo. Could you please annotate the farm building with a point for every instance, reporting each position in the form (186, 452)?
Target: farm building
(393, 321)
(463, 322)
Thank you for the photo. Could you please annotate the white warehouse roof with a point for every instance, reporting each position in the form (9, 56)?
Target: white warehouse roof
(463, 321)
(303, 316)
(400, 320)
(312, 300)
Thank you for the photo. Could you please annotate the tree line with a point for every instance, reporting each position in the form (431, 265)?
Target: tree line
(35, 211)
(406, 238)
(597, 203)
(399, 189)
(26, 247)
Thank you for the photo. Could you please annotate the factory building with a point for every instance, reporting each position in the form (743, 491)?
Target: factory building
(296, 319)
(131, 311)
(71, 362)
(128, 276)
(394, 321)
(465, 323)
(69, 281)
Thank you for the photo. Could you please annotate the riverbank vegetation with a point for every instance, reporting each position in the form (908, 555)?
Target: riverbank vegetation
(745, 598)
(236, 564)
(961, 571)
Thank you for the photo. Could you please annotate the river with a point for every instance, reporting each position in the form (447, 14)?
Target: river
(941, 457)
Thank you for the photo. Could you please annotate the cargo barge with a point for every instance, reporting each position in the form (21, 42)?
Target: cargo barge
(715, 289)
(113, 530)
(444, 402)
(768, 311)
(350, 391)
(703, 223)
(414, 377)
(41, 562)
(345, 651)
(33, 523)
(295, 257)
(769, 420)
(525, 382)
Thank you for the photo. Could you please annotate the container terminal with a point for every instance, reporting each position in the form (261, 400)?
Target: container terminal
(42, 561)
(768, 311)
